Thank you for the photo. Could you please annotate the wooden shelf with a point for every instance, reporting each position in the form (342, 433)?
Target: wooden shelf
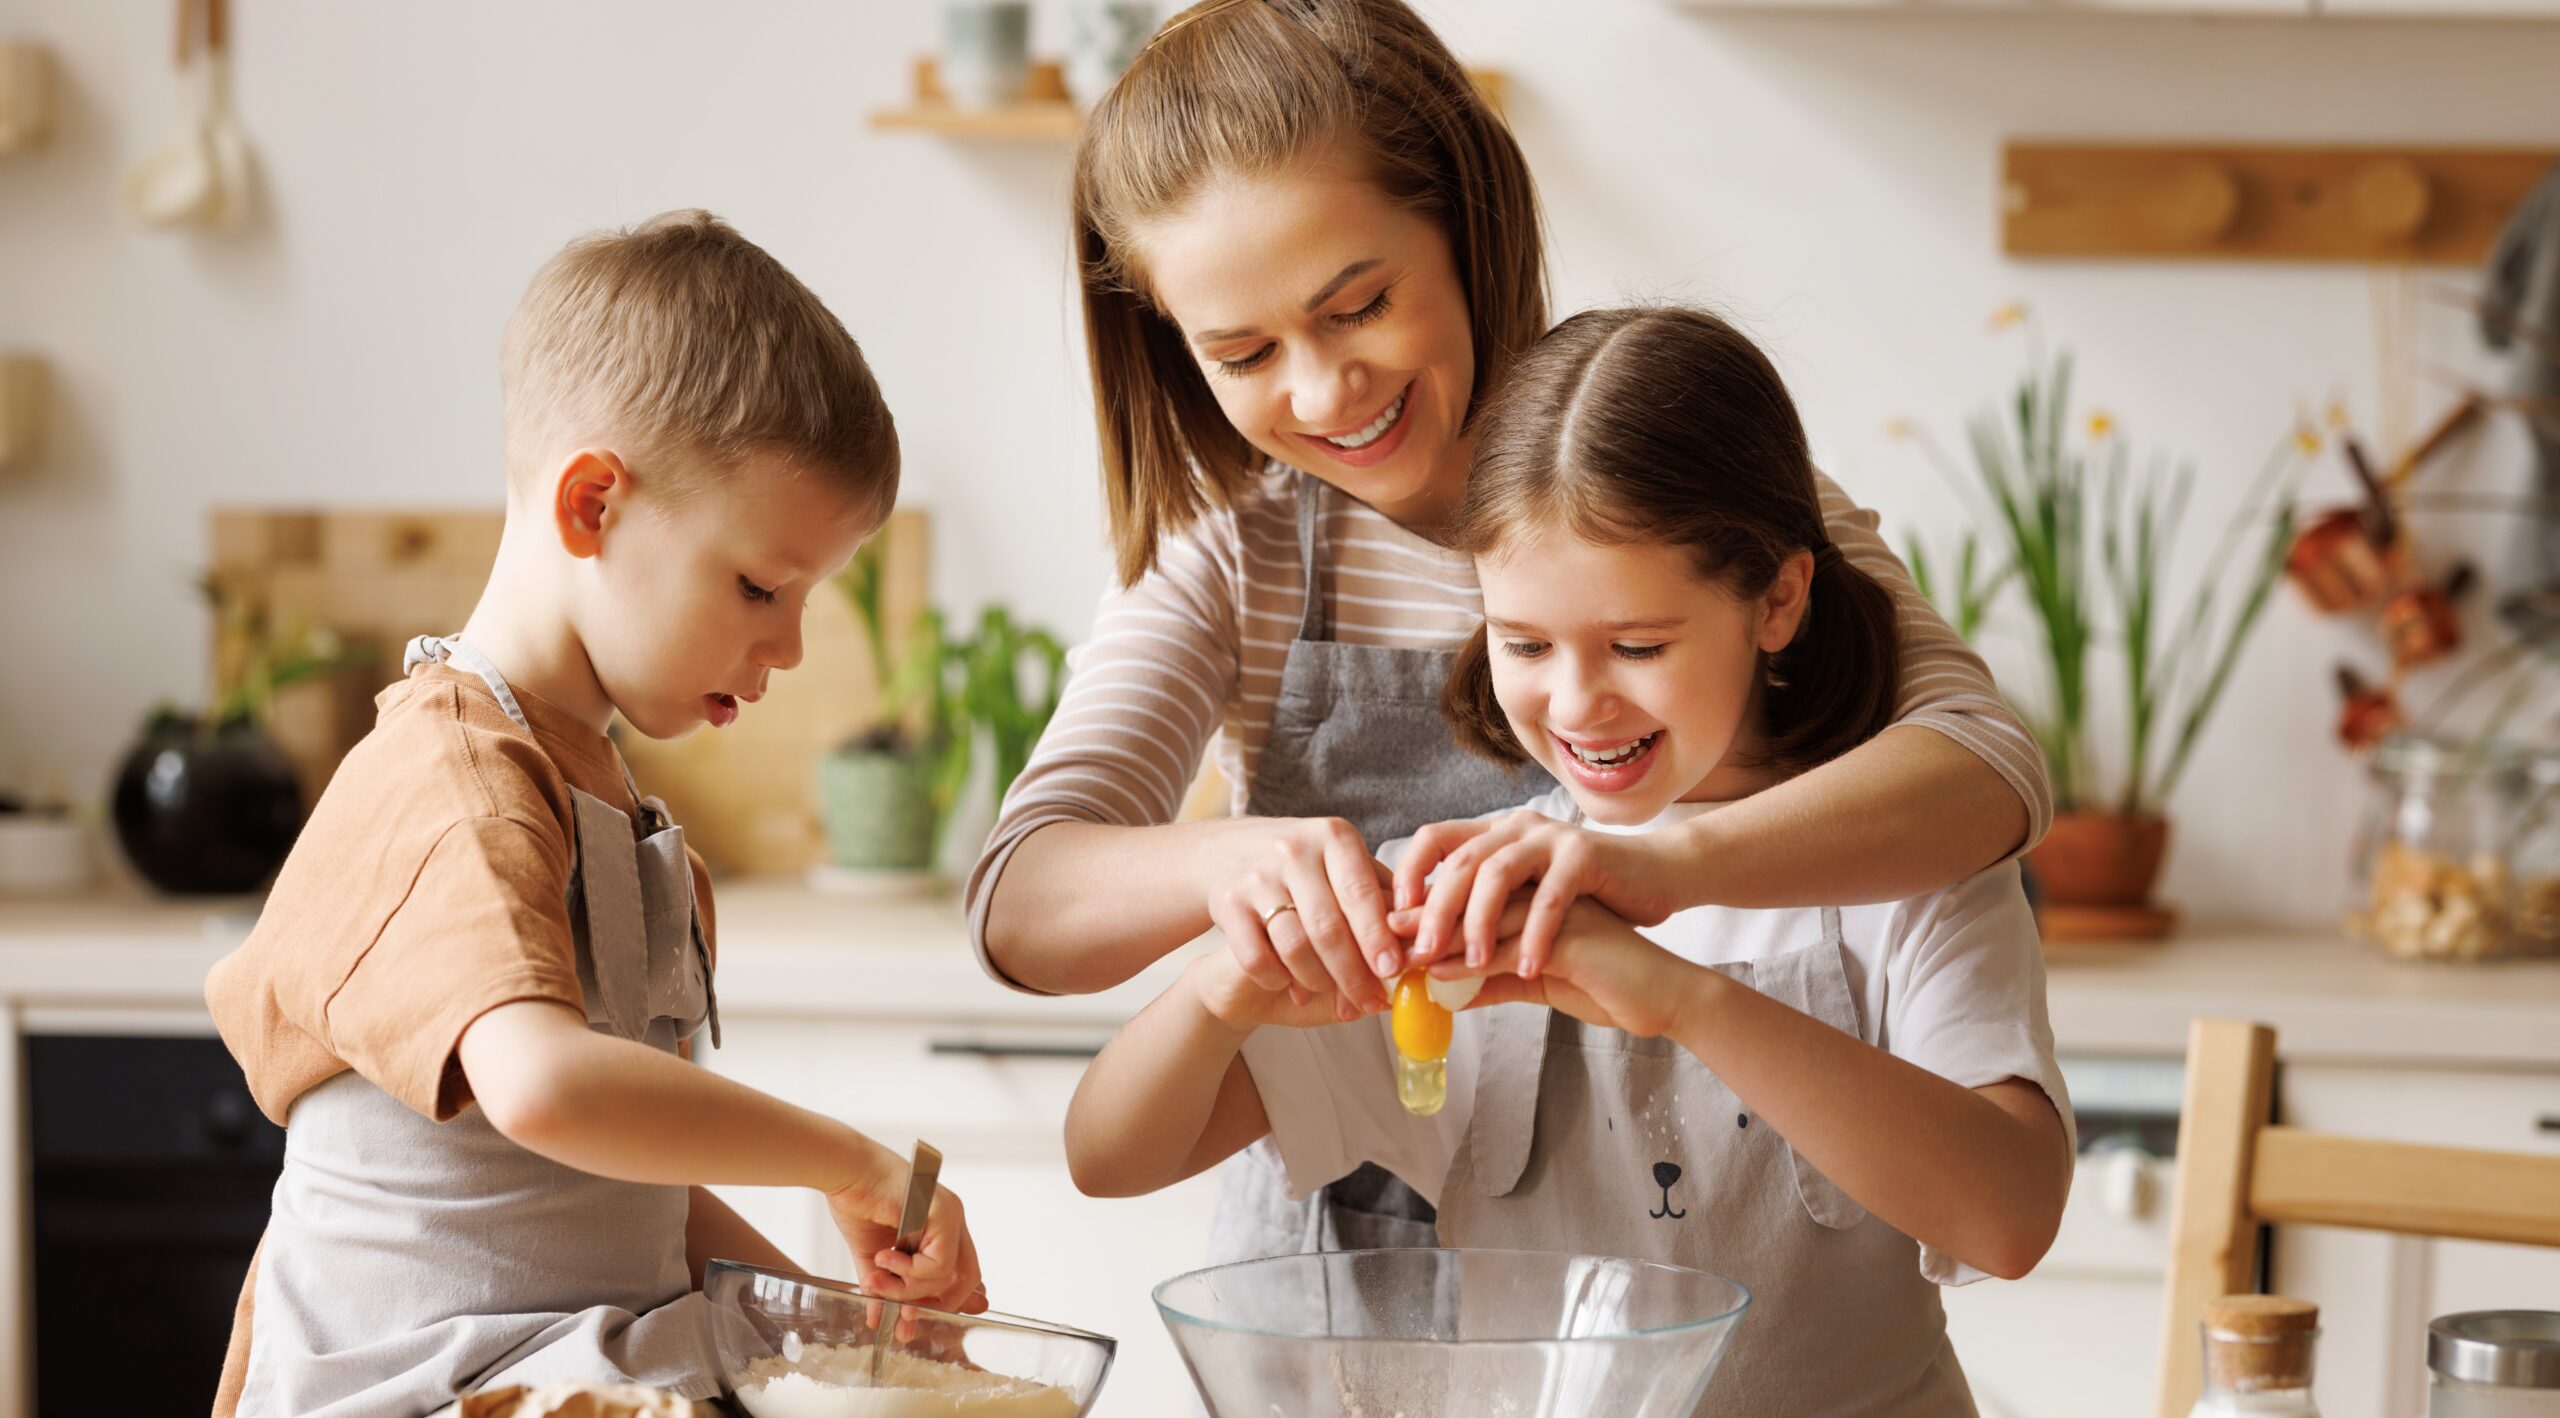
(1043, 115)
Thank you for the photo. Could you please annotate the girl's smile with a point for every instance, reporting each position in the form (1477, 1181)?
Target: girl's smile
(1609, 767)
(1628, 675)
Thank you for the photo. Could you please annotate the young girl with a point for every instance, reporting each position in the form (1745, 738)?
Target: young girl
(1840, 1107)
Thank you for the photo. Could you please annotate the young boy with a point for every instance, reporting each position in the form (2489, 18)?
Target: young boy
(482, 910)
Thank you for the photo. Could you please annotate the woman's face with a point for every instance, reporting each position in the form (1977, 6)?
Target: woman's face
(1627, 675)
(1330, 325)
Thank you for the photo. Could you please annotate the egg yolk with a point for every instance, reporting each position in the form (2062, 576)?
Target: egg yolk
(1420, 1025)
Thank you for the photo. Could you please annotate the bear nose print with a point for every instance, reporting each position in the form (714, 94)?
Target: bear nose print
(1665, 1173)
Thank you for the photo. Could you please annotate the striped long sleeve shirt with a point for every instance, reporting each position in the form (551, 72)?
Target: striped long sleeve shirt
(1190, 656)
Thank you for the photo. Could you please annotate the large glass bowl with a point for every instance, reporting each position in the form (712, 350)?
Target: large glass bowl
(778, 1334)
(1475, 1333)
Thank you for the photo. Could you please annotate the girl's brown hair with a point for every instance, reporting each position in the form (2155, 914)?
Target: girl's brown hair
(1665, 426)
(1247, 87)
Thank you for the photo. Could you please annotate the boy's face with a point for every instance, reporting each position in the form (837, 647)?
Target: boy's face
(695, 599)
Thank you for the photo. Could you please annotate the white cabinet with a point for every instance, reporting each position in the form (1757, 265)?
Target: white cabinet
(2080, 1338)
(1048, 1251)
(2376, 1292)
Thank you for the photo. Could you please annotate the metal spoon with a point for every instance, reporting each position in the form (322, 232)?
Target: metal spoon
(923, 1171)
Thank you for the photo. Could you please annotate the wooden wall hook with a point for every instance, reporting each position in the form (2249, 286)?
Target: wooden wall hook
(2434, 206)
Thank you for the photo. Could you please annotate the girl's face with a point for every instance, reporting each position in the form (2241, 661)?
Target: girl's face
(1330, 325)
(1627, 675)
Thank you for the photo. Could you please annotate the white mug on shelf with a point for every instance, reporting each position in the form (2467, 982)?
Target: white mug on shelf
(42, 854)
(986, 51)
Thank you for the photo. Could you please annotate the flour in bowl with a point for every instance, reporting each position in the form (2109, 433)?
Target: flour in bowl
(834, 1381)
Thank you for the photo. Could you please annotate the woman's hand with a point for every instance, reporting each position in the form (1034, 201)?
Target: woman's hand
(943, 1270)
(1484, 862)
(1601, 972)
(1304, 908)
(1243, 1004)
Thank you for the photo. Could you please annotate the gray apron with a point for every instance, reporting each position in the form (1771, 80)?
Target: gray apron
(409, 1262)
(1356, 733)
(1842, 1323)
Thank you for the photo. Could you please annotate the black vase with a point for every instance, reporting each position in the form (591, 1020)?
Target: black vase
(206, 813)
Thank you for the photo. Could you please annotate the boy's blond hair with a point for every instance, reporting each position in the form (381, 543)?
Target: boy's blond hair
(686, 341)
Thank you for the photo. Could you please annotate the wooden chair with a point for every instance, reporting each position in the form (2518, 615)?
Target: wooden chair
(2239, 1173)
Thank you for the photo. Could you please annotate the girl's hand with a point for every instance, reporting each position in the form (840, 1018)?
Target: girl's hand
(1602, 972)
(943, 1271)
(1242, 1004)
(1484, 862)
(1304, 908)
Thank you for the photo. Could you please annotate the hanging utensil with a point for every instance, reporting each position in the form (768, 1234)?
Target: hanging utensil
(923, 1171)
(223, 138)
(177, 184)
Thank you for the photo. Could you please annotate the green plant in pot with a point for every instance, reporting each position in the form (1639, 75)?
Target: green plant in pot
(2083, 536)
(888, 793)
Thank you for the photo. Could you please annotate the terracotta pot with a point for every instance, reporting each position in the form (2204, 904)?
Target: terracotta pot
(2100, 859)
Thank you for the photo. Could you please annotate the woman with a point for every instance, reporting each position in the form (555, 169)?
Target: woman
(1306, 244)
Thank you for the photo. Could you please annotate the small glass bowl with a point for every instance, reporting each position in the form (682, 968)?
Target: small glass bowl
(766, 1323)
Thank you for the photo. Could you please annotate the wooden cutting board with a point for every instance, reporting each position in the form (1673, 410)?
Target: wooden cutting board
(747, 795)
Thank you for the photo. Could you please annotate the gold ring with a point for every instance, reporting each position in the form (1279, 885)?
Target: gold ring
(1274, 913)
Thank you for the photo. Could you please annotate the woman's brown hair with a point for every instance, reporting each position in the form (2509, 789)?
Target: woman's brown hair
(1666, 426)
(1247, 87)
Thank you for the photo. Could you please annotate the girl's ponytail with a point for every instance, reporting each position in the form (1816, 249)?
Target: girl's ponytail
(1833, 688)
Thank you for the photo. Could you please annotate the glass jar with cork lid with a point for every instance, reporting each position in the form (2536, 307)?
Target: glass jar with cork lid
(2257, 1358)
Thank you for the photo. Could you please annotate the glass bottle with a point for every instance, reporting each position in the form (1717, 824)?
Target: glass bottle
(2257, 1358)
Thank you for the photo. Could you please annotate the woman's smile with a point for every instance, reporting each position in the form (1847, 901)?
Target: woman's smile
(1366, 445)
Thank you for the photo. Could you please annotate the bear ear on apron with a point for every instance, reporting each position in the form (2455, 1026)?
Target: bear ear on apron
(1511, 1058)
(1813, 981)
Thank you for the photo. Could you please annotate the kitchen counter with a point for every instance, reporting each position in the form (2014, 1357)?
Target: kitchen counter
(791, 951)
(786, 950)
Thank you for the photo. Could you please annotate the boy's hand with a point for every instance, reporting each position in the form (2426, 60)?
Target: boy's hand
(943, 1272)
(1243, 1004)
(1484, 862)
(1602, 972)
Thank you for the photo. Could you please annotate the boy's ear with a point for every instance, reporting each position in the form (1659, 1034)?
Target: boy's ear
(591, 485)
(1783, 605)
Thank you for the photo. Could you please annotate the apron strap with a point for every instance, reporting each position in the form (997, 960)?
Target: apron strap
(435, 650)
(1312, 620)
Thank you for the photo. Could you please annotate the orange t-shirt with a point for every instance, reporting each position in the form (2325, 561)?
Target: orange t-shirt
(429, 886)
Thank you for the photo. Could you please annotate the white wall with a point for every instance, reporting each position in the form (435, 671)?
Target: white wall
(1829, 178)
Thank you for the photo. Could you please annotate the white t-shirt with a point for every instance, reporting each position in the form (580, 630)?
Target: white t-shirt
(1952, 981)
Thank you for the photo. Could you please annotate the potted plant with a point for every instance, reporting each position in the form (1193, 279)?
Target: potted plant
(2084, 539)
(888, 793)
(207, 803)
